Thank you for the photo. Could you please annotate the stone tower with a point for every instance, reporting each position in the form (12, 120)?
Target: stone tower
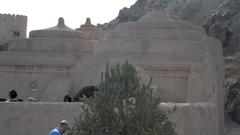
(12, 26)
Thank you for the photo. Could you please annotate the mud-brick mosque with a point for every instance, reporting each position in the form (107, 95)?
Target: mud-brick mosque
(186, 66)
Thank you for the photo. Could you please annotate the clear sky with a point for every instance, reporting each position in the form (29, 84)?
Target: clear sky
(44, 13)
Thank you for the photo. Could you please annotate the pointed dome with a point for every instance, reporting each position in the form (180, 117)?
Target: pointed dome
(87, 23)
(61, 25)
(156, 15)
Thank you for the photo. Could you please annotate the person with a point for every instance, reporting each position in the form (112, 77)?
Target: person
(61, 129)
(13, 96)
(67, 98)
(3, 99)
(31, 99)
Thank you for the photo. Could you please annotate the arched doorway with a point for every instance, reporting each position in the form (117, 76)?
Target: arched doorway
(85, 92)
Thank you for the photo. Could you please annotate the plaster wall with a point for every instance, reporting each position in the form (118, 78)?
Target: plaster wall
(37, 85)
(35, 74)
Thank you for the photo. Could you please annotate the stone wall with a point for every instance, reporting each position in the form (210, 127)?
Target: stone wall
(12, 26)
(39, 118)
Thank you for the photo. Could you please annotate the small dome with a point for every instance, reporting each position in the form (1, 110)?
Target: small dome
(156, 20)
(157, 24)
(60, 26)
(156, 15)
(87, 23)
(60, 30)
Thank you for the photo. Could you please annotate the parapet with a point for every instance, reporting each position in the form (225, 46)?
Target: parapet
(13, 15)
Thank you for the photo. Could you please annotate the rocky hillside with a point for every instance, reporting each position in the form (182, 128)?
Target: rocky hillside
(220, 19)
(193, 10)
(224, 23)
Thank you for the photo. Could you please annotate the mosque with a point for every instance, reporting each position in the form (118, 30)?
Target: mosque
(186, 66)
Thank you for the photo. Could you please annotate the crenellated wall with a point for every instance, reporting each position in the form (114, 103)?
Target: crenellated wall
(12, 26)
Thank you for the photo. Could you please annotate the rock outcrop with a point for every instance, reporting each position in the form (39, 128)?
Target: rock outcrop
(225, 21)
(136, 11)
(191, 10)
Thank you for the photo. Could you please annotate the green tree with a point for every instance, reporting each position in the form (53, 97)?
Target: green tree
(122, 106)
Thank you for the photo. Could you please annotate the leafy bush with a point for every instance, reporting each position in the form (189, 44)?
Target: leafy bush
(122, 106)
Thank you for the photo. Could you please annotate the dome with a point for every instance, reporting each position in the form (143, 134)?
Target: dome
(58, 31)
(151, 32)
(60, 26)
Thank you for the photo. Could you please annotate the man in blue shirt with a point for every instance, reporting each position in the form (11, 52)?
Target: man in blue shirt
(63, 127)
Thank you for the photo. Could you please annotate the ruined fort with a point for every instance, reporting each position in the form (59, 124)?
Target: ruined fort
(186, 66)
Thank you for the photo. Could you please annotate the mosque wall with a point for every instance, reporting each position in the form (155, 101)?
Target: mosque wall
(171, 82)
(36, 75)
(51, 87)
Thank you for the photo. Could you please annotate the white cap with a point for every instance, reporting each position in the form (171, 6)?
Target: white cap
(66, 123)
